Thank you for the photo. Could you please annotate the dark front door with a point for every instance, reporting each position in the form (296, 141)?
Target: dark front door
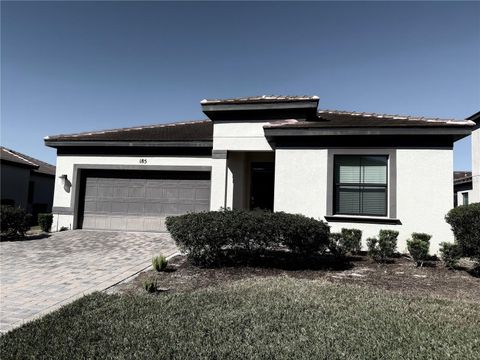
(262, 185)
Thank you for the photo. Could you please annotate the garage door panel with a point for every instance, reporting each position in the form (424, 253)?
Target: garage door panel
(113, 201)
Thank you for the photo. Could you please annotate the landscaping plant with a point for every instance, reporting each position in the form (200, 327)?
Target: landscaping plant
(450, 254)
(352, 240)
(418, 247)
(150, 285)
(14, 222)
(384, 247)
(45, 221)
(465, 223)
(159, 262)
(205, 236)
(336, 246)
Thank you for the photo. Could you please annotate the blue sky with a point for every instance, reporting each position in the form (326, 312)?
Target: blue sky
(79, 66)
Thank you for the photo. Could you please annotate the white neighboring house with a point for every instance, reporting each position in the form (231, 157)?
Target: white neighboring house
(355, 170)
(467, 184)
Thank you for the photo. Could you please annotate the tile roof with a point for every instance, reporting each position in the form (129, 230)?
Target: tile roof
(259, 99)
(461, 177)
(182, 131)
(352, 119)
(25, 160)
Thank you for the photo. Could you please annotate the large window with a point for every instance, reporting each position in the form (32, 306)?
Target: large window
(361, 185)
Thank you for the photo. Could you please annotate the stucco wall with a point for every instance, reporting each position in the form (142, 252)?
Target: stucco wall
(65, 166)
(14, 184)
(423, 191)
(236, 136)
(475, 194)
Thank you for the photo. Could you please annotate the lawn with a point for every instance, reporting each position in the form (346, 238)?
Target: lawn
(275, 317)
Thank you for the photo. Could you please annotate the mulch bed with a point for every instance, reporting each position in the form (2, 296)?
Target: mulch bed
(401, 275)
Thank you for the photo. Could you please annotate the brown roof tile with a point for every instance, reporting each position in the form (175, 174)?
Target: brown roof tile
(25, 160)
(182, 131)
(344, 119)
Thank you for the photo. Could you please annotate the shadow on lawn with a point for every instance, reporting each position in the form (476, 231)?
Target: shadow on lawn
(283, 260)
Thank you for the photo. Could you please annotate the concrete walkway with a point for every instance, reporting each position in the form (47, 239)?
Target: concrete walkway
(39, 276)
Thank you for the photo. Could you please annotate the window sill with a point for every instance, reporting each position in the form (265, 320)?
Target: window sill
(362, 219)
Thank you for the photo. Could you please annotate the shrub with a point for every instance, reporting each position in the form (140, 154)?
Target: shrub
(418, 247)
(352, 240)
(159, 263)
(336, 246)
(150, 285)
(300, 233)
(384, 247)
(373, 249)
(450, 254)
(45, 221)
(14, 222)
(465, 223)
(204, 236)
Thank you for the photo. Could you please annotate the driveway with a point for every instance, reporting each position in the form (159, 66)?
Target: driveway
(39, 276)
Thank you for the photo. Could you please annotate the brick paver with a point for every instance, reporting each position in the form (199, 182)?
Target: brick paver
(38, 276)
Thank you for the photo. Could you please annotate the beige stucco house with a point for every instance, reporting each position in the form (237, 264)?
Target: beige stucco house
(281, 153)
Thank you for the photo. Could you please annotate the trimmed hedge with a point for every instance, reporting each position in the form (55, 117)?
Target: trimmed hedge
(45, 221)
(204, 236)
(384, 247)
(418, 247)
(465, 223)
(14, 222)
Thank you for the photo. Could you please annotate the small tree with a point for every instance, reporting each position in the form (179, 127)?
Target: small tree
(450, 254)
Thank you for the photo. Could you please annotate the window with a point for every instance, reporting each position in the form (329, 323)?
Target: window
(361, 185)
(465, 198)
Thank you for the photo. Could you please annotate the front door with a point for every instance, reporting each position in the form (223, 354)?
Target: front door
(262, 185)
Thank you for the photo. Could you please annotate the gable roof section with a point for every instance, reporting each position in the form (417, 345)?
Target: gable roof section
(20, 159)
(175, 134)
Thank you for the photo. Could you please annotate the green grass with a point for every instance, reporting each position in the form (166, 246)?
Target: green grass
(277, 318)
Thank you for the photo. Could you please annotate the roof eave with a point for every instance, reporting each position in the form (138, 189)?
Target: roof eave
(459, 132)
(99, 143)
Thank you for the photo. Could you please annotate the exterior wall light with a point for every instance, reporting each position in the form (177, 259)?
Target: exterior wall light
(65, 182)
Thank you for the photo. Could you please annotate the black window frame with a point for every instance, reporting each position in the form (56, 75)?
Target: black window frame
(361, 186)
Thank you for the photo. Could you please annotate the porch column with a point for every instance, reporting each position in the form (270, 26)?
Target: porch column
(218, 198)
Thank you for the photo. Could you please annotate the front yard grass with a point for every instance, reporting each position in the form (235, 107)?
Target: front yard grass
(265, 317)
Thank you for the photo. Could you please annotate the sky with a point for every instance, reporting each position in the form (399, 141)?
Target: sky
(79, 66)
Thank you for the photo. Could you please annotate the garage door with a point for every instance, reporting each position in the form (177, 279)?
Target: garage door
(140, 200)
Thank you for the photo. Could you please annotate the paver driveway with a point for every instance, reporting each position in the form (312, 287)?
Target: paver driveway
(38, 276)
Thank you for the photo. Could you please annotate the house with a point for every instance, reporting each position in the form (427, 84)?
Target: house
(462, 188)
(26, 182)
(466, 184)
(357, 170)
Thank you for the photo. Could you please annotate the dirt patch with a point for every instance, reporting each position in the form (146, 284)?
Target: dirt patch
(401, 276)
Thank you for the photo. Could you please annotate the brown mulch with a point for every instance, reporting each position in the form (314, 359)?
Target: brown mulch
(401, 276)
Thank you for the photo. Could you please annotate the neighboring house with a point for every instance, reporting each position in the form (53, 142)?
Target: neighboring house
(475, 194)
(354, 170)
(26, 182)
(466, 184)
(462, 188)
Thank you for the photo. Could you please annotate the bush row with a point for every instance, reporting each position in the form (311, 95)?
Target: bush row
(204, 236)
(15, 222)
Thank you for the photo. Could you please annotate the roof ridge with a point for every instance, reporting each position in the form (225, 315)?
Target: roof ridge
(141, 127)
(20, 156)
(395, 116)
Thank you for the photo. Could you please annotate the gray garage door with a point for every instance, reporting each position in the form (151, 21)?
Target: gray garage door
(140, 201)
